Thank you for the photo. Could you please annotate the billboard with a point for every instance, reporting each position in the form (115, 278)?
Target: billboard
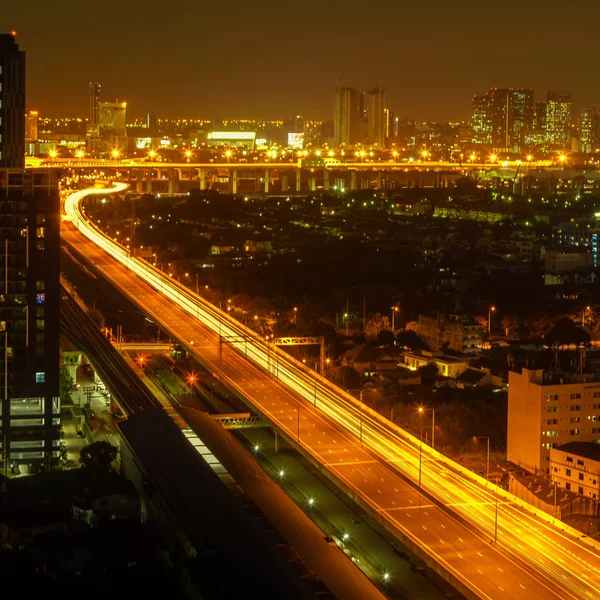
(296, 141)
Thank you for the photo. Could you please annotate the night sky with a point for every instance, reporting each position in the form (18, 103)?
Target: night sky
(264, 58)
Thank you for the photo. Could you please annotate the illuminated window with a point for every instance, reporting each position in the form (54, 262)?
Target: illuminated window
(40, 377)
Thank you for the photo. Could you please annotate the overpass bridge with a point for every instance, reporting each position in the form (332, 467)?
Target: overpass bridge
(302, 176)
(447, 514)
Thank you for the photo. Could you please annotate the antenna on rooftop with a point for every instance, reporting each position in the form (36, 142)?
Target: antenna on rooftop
(555, 364)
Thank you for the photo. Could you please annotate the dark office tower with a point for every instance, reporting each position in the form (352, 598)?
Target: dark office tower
(12, 103)
(559, 120)
(94, 102)
(346, 116)
(376, 118)
(29, 318)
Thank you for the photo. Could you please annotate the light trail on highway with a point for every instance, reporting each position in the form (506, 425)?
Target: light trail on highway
(570, 565)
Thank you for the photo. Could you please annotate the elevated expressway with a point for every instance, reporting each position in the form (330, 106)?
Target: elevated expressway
(534, 557)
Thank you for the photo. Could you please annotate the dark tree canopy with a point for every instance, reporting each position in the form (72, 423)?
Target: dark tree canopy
(99, 456)
(565, 332)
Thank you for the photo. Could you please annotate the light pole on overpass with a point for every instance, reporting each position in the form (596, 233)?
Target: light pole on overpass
(360, 412)
(421, 410)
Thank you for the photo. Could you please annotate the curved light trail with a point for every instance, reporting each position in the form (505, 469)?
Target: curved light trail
(529, 537)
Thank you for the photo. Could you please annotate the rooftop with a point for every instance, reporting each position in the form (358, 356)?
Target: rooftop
(585, 449)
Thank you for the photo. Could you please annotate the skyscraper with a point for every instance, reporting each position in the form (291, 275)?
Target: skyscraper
(559, 120)
(94, 101)
(346, 116)
(12, 103)
(376, 118)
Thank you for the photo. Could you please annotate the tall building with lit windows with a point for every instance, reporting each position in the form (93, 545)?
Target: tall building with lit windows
(29, 301)
(589, 130)
(29, 290)
(12, 103)
(501, 117)
(559, 120)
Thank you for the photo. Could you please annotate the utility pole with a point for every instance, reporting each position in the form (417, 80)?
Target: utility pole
(347, 316)
(496, 519)
(298, 424)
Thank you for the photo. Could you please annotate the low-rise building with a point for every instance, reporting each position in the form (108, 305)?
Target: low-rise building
(457, 332)
(549, 409)
(567, 259)
(448, 366)
(575, 467)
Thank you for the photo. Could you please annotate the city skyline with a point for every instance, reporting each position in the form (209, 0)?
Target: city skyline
(444, 51)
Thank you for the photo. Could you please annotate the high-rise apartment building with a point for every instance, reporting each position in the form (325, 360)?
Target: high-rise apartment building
(29, 317)
(346, 116)
(549, 409)
(376, 118)
(559, 120)
(501, 117)
(12, 103)
(112, 119)
(589, 136)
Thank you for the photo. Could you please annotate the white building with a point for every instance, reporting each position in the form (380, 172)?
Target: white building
(576, 467)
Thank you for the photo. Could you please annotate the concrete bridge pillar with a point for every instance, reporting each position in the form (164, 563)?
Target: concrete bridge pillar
(267, 180)
(173, 186)
(285, 186)
(340, 184)
(139, 185)
(298, 180)
(202, 176)
(312, 183)
(326, 180)
(149, 183)
(353, 180)
(379, 180)
(233, 181)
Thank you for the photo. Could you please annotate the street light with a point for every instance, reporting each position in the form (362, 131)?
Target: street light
(491, 309)
(421, 410)
(228, 155)
(487, 467)
(583, 315)
(115, 154)
(188, 155)
(395, 309)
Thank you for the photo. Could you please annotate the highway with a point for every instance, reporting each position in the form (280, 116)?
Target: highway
(531, 559)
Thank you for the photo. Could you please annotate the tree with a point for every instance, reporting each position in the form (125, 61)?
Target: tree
(98, 456)
(428, 373)
(565, 332)
(385, 338)
(408, 338)
(346, 377)
(66, 386)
